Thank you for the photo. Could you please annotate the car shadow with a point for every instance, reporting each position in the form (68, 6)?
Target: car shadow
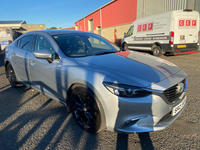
(122, 141)
(27, 117)
(144, 140)
(20, 123)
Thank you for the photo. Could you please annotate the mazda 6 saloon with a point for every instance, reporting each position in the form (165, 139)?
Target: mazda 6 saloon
(102, 85)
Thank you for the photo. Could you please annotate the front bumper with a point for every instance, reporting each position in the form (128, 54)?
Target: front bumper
(145, 114)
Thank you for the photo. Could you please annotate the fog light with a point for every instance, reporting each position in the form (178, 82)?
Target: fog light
(130, 123)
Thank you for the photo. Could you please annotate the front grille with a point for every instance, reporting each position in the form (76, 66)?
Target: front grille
(175, 91)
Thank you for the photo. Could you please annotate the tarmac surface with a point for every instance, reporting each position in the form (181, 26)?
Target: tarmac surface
(31, 120)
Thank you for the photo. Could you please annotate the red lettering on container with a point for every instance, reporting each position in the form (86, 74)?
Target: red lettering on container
(187, 22)
(139, 28)
(181, 23)
(144, 27)
(194, 22)
(150, 26)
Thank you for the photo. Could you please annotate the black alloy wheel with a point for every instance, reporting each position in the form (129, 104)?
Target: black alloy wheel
(10, 74)
(87, 110)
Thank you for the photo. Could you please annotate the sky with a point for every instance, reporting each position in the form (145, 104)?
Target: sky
(60, 13)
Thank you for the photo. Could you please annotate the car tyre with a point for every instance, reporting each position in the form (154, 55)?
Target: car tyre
(157, 51)
(125, 46)
(10, 74)
(87, 109)
(170, 54)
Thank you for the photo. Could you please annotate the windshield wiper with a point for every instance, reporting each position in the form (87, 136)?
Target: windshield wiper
(103, 53)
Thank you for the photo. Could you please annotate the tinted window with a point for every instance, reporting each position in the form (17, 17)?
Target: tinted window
(26, 42)
(80, 45)
(42, 44)
(17, 43)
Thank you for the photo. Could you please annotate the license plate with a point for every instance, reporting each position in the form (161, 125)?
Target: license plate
(181, 46)
(178, 108)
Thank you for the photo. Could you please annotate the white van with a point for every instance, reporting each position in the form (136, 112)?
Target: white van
(174, 32)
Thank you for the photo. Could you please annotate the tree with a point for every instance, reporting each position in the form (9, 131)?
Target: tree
(52, 28)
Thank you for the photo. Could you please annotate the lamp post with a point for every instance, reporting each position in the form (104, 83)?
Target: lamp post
(45, 23)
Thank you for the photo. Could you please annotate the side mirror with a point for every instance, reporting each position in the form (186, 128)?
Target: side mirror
(43, 54)
(124, 34)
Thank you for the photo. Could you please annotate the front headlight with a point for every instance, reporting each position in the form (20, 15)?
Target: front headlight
(125, 90)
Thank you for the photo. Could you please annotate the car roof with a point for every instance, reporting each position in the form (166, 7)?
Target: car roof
(54, 32)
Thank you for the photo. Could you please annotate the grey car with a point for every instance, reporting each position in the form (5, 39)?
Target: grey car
(102, 85)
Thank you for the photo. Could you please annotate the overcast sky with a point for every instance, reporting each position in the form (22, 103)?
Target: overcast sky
(61, 13)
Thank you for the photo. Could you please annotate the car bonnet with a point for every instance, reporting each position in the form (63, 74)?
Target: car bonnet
(131, 68)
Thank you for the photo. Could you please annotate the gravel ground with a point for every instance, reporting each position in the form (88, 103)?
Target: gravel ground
(30, 120)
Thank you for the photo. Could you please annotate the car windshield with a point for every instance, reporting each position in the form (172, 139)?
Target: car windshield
(81, 45)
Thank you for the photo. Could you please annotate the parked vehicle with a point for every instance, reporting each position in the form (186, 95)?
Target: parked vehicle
(174, 32)
(100, 84)
(7, 36)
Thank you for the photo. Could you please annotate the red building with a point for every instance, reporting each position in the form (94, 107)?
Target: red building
(110, 20)
(115, 17)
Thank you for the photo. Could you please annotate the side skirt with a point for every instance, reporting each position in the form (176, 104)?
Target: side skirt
(31, 86)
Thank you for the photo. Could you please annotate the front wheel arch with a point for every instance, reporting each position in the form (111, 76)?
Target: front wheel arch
(125, 46)
(100, 123)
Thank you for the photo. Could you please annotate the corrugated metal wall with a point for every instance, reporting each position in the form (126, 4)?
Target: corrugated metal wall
(197, 8)
(152, 7)
(197, 5)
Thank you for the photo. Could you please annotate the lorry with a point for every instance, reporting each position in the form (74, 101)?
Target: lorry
(174, 33)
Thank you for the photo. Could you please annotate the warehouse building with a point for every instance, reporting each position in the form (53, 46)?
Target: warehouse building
(115, 17)
(10, 30)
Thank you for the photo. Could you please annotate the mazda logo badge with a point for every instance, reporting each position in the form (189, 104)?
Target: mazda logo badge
(180, 88)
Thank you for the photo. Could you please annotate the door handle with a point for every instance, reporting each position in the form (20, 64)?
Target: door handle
(32, 62)
(13, 54)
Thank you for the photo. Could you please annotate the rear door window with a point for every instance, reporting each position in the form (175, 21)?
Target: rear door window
(26, 42)
(17, 43)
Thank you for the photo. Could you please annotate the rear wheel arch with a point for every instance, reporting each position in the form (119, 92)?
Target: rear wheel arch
(156, 44)
(10, 74)
(157, 49)
(6, 64)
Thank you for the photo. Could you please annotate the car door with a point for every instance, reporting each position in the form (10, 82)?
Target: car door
(19, 57)
(129, 37)
(45, 75)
